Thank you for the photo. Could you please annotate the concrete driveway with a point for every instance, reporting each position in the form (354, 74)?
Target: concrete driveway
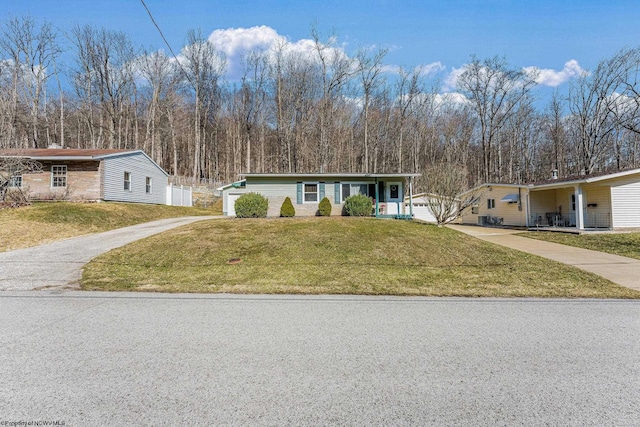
(59, 264)
(125, 359)
(620, 270)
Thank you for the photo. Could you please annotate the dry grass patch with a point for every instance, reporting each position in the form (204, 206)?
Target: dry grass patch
(45, 222)
(336, 256)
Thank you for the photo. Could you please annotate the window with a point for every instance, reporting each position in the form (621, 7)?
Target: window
(311, 192)
(394, 191)
(127, 181)
(15, 181)
(353, 189)
(148, 185)
(58, 176)
(475, 210)
(491, 203)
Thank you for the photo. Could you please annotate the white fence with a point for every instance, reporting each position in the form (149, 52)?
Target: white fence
(179, 195)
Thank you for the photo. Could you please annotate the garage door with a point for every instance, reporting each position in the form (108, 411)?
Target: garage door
(423, 213)
(231, 203)
(625, 202)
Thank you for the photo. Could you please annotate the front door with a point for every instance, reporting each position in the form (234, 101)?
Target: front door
(393, 192)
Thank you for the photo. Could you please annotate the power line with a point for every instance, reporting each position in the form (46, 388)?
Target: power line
(165, 41)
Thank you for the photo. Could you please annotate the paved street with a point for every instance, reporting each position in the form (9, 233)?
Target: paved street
(155, 359)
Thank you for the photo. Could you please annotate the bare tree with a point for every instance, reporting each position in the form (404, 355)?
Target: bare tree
(105, 77)
(368, 70)
(408, 87)
(203, 67)
(11, 171)
(335, 70)
(602, 102)
(444, 184)
(494, 91)
(33, 51)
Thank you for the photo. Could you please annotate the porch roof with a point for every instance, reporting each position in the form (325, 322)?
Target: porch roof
(329, 175)
(570, 182)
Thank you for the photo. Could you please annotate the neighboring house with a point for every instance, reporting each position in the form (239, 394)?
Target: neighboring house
(497, 204)
(588, 202)
(85, 174)
(424, 203)
(307, 189)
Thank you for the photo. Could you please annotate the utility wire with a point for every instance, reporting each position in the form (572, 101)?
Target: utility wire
(166, 42)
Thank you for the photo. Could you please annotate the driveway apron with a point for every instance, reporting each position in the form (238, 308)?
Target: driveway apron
(59, 264)
(620, 270)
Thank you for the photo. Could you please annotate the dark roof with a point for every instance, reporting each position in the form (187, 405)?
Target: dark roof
(59, 152)
(581, 177)
(329, 175)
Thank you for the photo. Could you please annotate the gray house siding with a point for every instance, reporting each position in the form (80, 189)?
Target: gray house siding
(306, 191)
(139, 166)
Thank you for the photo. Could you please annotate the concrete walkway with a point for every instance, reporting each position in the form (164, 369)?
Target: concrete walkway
(59, 264)
(620, 270)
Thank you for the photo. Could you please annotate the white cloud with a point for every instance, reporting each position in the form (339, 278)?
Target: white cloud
(235, 43)
(451, 80)
(553, 78)
(451, 99)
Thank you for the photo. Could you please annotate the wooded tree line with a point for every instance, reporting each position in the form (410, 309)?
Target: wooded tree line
(320, 110)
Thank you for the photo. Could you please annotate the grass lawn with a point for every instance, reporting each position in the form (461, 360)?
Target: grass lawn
(627, 244)
(335, 256)
(45, 222)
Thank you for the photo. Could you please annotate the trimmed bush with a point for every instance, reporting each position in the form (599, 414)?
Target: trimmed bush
(287, 210)
(358, 205)
(324, 208)
(251, 205)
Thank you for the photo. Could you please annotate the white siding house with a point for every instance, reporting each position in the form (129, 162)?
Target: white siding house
(87, 174)
(583, 203)
(133, 177)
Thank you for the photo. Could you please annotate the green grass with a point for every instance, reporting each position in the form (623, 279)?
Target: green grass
(627, 244)
(45, 222)
(336, 256)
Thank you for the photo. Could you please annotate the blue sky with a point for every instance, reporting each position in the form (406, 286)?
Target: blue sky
(545, 34)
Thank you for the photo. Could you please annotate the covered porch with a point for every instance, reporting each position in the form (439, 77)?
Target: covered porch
(566, 207)
(389, 191)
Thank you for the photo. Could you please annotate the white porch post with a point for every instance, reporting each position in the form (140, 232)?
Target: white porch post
(579, 209)
(411, 196)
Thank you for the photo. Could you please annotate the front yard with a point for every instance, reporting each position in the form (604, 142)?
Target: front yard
(335, 256)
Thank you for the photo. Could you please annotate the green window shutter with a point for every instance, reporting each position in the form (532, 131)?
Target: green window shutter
(336, 193)
(321, 189)
(299, 194)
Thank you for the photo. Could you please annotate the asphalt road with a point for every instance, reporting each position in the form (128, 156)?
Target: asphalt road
(154, 359)
(59, 264)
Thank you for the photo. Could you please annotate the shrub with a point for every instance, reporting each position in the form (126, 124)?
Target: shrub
(358, 205)
(324, 208)
(287, 210)
(251, 205)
